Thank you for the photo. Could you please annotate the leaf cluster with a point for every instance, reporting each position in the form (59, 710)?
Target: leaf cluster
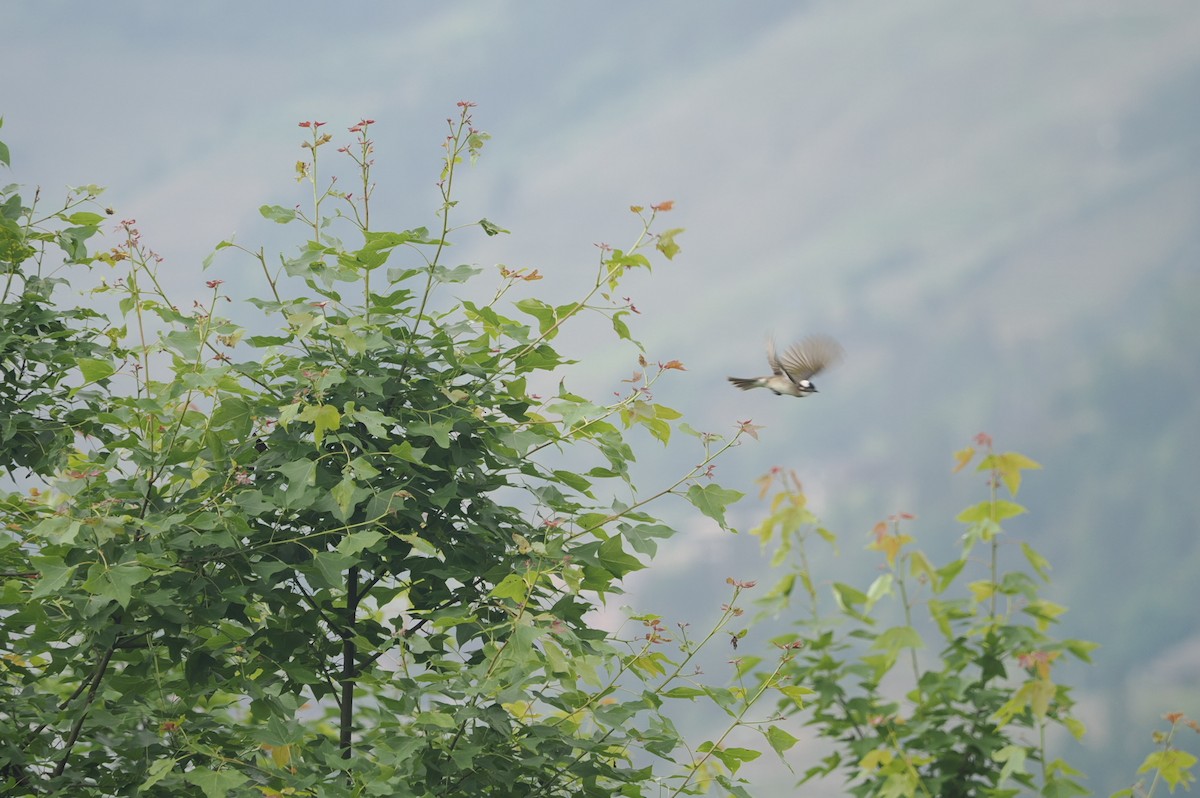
(39, 342)
(971, 718)
(340, 557)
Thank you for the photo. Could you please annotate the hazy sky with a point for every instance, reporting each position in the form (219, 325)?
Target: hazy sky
(838, 165)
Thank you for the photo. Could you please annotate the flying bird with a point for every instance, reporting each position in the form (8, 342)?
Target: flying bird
(792, 373)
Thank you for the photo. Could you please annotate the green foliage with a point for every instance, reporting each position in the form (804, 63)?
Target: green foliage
(339, 556)
(1169, 764)
(41, 345)
(975, 707)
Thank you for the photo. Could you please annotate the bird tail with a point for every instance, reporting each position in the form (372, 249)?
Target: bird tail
(745, 383)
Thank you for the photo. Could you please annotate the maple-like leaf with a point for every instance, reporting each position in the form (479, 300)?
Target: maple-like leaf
(962, 457)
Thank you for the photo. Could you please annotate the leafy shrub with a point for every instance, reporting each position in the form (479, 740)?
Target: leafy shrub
(335, 558)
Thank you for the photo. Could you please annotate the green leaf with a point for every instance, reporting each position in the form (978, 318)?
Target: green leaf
(491, 228)
(1081, 649)
(60, 529)
(362, 469)
(232, 416)
(436, 720)
(619, 326)
(849, 599)
(511, 587)
(277, 213)
(1075, 726)
(208, 259)
(301, 475)
(72, 239)
(279, 732)
(54, 575)
(440, 432)
(215, 783)
(95, 370)
(797, 694)
(4, 155)
(882, 586)
(897, 638)
(615, 560)
(947, 574)
(712, 500)
(407, 452)
(1013, 757)
(459, 274)
(380, 242)
(346, 495)
(990, 511)
(359, 541)
(666, 242)
(541, 311)
(378, 424)
(115, 583)
(920, 567)
(328, 568)
(733, 758)
(324, 418)
(263, 341)
(157, 771)
(666, 413)
(1036, 561)
(573, 480)
(1009, 465)
(780, 740)
(84, 218)
(1064, 788)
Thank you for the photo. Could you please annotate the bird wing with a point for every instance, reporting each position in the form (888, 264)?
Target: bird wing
(773, 359)
(801, 361)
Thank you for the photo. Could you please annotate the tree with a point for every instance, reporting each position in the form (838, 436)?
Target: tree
(332, 559)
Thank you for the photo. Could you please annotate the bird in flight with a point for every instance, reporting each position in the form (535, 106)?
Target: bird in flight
(792, 373)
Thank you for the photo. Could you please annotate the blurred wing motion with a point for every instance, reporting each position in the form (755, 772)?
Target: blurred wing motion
(804, 360)
(791, 373)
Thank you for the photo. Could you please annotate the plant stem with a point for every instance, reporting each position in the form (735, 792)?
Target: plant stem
(349, 671)
(699, 469)
(454, 146)
(737, 721)
(93, 686)
(912, 652)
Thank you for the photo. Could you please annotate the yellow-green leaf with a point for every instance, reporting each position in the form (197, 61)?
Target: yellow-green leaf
(93, 371)
(324, 418)
(1037, 561)
(962, 457)
(796, 693)
(897, 638)
(1173, 765)
(511, 587)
